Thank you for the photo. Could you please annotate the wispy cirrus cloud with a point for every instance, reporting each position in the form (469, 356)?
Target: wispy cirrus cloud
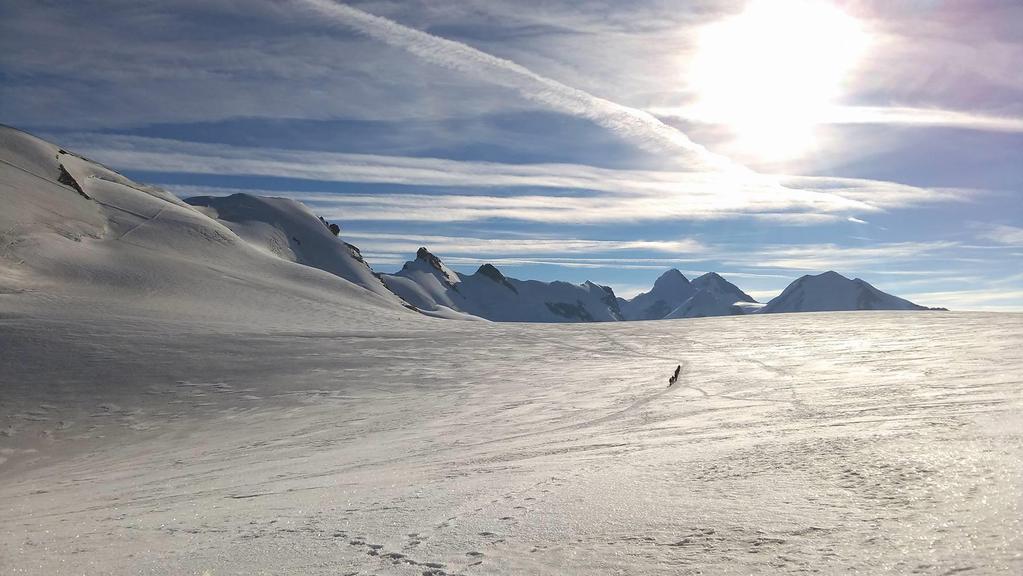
(632, 123)
(211, 60)
(383, 258)
(166, 155)
(549, 209)
(828, 256)
(1003, 234)
(557, 192)
(892, 115)
(984, 299)
(461, 245)
(601, 253)
(880, 193)
(907, 116)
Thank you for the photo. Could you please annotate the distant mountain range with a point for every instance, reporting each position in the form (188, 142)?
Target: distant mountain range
(433, 287)
(74, 222)
(429, 285)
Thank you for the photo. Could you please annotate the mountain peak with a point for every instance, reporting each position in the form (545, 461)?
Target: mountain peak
(831, 274)
(491, 272)
(671, 280)
(670, 290)
(429, 259)
(426, 255)
(605, 289)
(722, 289)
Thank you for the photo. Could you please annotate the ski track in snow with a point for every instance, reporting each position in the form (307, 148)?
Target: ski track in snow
(835, 442)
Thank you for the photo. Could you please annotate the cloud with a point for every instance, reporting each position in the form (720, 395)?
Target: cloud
(879, 193)
(1008, 235)
(983, 299)
(461, 245)
(797, 218)
(819, 257)
(881, 115)
(763, 295)
(510, 262)
(550, 209)
(165, 155)
(613, 195)
(932, 117)
(149, 62)
(632, 123)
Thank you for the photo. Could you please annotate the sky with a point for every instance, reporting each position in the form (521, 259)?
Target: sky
(603, 140)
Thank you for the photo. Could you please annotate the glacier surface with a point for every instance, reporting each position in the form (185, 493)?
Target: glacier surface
(884, 442)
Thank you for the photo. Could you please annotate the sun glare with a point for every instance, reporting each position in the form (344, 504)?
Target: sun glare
(772, 72)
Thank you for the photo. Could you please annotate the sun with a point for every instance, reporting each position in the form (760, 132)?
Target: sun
(772, 72)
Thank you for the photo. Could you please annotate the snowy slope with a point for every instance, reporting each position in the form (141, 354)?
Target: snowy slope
(287, 229)
(73, 230)
(831, 291)
(670, 291)
(431, 286)
(704, 304)
(840, 443)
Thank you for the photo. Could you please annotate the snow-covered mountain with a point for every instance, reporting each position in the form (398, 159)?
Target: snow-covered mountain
(288, 230)
(428, 284)
(74, 230)
(831, 291)
(721, 289)
(673, 296)
(670, 291)
(705, 303)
